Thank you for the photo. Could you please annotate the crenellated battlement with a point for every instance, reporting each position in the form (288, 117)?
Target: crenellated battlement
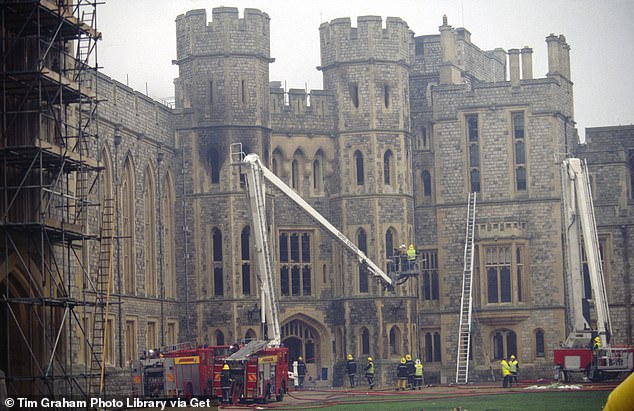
(368, 41)
(226, 33)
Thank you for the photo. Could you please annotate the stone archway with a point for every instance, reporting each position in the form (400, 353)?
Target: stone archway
(307, 338)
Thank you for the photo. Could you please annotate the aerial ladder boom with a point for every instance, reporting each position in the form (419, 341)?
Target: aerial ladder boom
(256, 175)
(579, 220)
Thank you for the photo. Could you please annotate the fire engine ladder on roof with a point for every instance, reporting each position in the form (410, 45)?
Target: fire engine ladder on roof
(102, 287)
(464, 332)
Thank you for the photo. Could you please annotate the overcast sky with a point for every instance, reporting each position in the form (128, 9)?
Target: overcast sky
(139, 41)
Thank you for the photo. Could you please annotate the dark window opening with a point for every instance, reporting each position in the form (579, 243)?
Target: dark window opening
(354, 94)
(386, 96)
(358, 160)
(218, 282)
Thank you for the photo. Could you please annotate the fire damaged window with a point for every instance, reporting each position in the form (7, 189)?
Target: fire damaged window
(295, 263)
(214, 165)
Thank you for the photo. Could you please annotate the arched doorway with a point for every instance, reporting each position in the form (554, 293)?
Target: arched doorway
(304, 340)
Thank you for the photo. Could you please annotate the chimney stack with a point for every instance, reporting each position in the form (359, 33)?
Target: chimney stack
(527, 63)
(514, 66)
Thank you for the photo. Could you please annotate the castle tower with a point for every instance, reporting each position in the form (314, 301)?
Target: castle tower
(222, 98)
(366, 67)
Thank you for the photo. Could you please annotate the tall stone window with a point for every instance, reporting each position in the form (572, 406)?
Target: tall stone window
(149, 230)
(354, 94)
(218, 281)
(503, 343)
(210, 92)
(130, 341)
(587, 286)
(151, 336)
(539, 343)
(109, 347)
(395, 340)
(171, 332)
(520, 148)
(362, 243)
(359, 169)
(386, 96)
(474, 152)
(242, 92)
(504, 268)
(388, 167)
(127, 207)
(429, 263)
(318, 172)
(245, 246)
(296, 267)
(389, 243)
(426, 177)
(295, 175)
(424, 141)
(432, 347)
(365, 341)
(630, 166)
(214, 161)
(220, 337)
(169, 246)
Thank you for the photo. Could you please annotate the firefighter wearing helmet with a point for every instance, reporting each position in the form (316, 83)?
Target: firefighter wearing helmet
(410, 371)
(418, 374)
(351, 369)
(514, 367)
(369, 372)
(401, 375)
(226, 384)
(301, 371)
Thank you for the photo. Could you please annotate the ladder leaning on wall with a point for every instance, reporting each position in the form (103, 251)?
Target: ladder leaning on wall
(464, 332)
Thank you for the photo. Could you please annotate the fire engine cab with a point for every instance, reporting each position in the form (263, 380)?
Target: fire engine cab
(183, 371)
(259, 373)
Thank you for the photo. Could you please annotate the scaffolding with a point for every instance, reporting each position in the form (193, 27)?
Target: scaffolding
(52, 297)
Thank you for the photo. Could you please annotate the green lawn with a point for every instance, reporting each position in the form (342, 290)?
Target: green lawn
(540, 401)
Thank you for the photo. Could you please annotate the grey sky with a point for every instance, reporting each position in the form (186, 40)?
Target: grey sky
(139, 40)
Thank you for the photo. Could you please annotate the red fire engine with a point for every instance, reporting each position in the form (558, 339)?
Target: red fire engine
(179, 372)
(588, 348)
(258, 372)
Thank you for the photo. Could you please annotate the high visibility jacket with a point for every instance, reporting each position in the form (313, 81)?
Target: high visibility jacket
(369, 369)
(513, 366)
(622, 397)
(411, 253)
(506, 370)
(419, 370)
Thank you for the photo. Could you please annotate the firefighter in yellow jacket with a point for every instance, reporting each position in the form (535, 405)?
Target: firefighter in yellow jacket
(418, 374)
(506, 373)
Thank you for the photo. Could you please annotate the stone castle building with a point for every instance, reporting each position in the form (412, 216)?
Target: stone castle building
(405, 128)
